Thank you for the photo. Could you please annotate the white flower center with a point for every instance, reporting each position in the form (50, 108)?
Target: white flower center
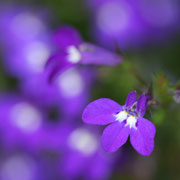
(121, 116)
(74, 55)
(130, 120)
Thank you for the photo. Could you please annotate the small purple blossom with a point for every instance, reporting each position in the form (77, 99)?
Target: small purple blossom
(177, 96)
(18, 165)
(26, 124)
(125, 120)
(82, 155)
(133, 24)
(24, 33)
(72, 50)
(69, 92)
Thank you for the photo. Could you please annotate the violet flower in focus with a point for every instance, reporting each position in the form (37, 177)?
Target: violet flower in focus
(124, 121)
(72, 50)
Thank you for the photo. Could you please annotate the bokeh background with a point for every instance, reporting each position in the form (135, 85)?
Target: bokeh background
(42, 135)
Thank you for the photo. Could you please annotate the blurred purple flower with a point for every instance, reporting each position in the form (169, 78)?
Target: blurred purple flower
(25, 40)
(125, 120)
(69, 92)
(117, 22)
(25, 124)
(83, 157)
(20, 166)
(74, 86)
(177, 95)
(132, 24)
(25, 34)
(73, 51)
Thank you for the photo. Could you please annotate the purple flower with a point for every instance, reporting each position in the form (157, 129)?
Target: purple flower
(24, 33)
(16, 166)
(117, 21)
(69, 92)
(72, 50)
(133, 24)
(23, 123)
(82, 156)
(125, 120)
(177, 96)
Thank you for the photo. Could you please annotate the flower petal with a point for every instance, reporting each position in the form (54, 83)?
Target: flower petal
(142, 139)
(131, 99)
(67, 36)
(72, 165)
(99, 167)
(114, 136)
(141, 105)
(101, 111)
(57, 64)
(92, 54)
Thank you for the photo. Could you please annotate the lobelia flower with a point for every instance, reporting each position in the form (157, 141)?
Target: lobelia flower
(82, 156)
(74, 86)
(176, 95)
(116, 21)
(72, 50)
(18, 166)
(69, 92)
(133, 24)
(25, 124)
(24, 33)
(125, 120)
(22, 120)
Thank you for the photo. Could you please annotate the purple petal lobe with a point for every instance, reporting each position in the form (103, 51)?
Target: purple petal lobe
(73, 165)
(67, 36)
(92, 54)
(99, 167)
(131, 99)
(141, 105)
(114, 136)
(57, 64)
(101, 111)
(142, 139)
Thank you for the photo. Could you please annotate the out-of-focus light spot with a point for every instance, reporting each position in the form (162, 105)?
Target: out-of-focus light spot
(26, 117)
(70, 83)
(113, 17)
(83, 141)
(160, 13)
(18, 168)
(27, 25)
(74, 56)
(37, 54)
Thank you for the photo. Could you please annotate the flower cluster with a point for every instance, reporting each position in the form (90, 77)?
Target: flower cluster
(41, 117)
(52, 75)
(133, 24)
